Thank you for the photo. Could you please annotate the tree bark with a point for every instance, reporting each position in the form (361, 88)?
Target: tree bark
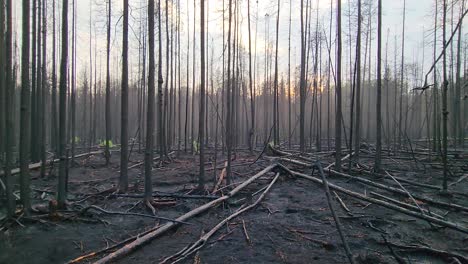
(62, 180)
(123, 182)
(151, 98)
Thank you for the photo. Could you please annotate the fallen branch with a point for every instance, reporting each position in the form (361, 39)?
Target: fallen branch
(129, 248)
(37, 165)
(437, 252)
(189, 250)
(93, 207)
(400, 192)
(343, 205)
(168, 195)
(335, 217)
(405, 205)
(107, 249)
(434, 220)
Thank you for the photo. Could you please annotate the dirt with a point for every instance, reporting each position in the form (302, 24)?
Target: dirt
(292, 225)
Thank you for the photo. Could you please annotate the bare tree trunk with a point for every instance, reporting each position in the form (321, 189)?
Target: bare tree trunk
(252, 94)
(357, 141)
(45, 90)
(62, 180)
(228, 102)
(192, 124)
(151, 98)
(201, 119)
(108, 91)
(444, 100)
(187, 88)
(123, 182)
(275, 96)
(54, 125)
(73, 87)
(2, 81)
(289, 76)
(378, 155)
(338, 92)
(302, 92)
(402, 72)
(33, 99)
(435, 143)
(9, 95)
(459, 128)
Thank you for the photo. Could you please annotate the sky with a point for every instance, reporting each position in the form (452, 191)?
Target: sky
(419, 24)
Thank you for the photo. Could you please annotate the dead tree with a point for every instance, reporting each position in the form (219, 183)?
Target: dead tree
(123, 182)
(151, 98)
(62, 180)
(378, 156)
(201, 119)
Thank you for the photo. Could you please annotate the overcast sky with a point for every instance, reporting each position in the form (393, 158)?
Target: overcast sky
(419, 23)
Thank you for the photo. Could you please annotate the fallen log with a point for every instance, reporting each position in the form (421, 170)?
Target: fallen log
(400, 192)
(107, 249)
(405, 205)
(167, 195)
(189, 250)
(37, 165)
(332, 210)
(381, 186)
(93, 207)
(437, 252)
(129, 248)
(434, 220)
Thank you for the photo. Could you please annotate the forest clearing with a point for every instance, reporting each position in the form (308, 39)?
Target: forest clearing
(205, 131)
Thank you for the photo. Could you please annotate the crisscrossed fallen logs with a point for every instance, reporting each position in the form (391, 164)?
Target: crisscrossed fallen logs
(192, 248)
(128, 248)
(400, 192)
(386, 187)
(431, 219)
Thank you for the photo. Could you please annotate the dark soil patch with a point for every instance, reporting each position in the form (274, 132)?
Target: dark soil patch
(292, 225)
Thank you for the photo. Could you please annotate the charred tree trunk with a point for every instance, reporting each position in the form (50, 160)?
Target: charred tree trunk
(62, 180)
(123, 183)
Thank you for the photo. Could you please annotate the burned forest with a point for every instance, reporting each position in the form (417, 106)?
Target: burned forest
(233, 131)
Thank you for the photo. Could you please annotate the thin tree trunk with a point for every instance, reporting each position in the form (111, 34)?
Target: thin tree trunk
(123, 183)
(275, 96)
(108, 91)
(444, 100)
(9, 95)
(228, 101)
(187, 88)
(62, 180)
(151, 99)
(357, 141)
(402, 70)
(201, 118)
(252, 94)
(44, 91)
(302, 92)
(338, 92)
(54, 125)
(378, 156)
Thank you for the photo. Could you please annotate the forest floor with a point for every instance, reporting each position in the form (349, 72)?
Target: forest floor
(292, 225)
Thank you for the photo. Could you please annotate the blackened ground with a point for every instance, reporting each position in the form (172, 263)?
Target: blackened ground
(292, 225)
